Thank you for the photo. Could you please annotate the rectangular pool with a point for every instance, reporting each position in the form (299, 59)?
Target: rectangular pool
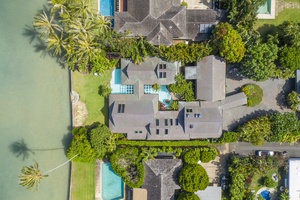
(107, 7)
(266, 8)
(112, 186)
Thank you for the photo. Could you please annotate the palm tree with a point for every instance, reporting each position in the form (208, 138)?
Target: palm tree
(56, 43)
(58, 5)
(31, 176)
(42, 21)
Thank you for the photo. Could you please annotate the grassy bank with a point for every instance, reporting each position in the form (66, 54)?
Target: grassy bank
(87, 86)
(83, 181)
(268, 26)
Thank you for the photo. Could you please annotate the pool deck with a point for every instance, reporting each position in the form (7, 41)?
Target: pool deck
(98, 180)
(272, 13)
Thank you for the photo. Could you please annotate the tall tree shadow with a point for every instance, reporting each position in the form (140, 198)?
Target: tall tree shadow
(20, 148)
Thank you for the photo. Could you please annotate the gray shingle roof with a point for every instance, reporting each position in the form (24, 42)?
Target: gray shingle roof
(161, 178)
(210, 78)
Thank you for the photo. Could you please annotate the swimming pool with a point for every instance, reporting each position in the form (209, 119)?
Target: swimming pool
(106, 7)
(164, 95)
(117, 87)
(266, 8)
(112, 186)
(265, 194)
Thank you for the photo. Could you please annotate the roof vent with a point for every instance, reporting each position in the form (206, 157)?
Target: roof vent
(170, 27)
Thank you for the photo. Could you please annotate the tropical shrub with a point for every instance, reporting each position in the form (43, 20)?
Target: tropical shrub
(289, 33)
(104, 90)
(293, 100)
(285, 127)
(228, 43)
(174, 105)
(188, 196)
(290, 60)
(192, 156)
(81, 146)
(156, 87)
(268, 182)
(184, 4)
(126, 163)
(259, 61)
(182, 88)
(256, 130)
(254, 94)
(193, 178)
(102, 140)
(228, 137)
(185, 53)
(207, 155)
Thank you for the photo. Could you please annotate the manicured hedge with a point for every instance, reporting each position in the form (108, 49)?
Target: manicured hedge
(188, 196)
(254, 94)
(142, 143)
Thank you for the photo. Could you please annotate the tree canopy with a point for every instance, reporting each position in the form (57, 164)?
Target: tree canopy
(188, 196)
(228, 43)
(259, 61)
(182, 88)
(80, 145)
(193, 178)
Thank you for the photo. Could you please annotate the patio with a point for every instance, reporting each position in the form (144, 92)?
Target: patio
(199, 4)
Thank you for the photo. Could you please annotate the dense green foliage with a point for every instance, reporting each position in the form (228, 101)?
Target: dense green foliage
(182, 88)
(242, 169)
(268, 182)
(243, 13)
(193, 178)
(256, 130)
(188, 196)
(289, 33)
(185, 53)
(290, 59)
(80, 145)
(187, 143)
(254, 94)
(73, 32)
(258, 63)
(285, 127)
(126, 164)
(293, 100)
(91, 142)
(228, 137)
(228, 43)
(192, 156)
(102, 141)
(174, 105)
(207, 155)
(278, 127)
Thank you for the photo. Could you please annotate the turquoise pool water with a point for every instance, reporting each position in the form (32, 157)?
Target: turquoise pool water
(112, 185)
(34, 107)
(163, 94)
(265, 194)
(117, 87)
(107, 7)
(266, 8)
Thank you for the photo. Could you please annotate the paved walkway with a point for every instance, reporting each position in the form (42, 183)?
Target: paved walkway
(275, 92)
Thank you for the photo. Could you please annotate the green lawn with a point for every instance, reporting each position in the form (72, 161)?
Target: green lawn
(267, 26)
(87, 86)
(83, 181)
(256, 180)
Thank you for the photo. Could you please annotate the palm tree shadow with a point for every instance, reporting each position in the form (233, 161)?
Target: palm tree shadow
(31, 32)
(19, 148)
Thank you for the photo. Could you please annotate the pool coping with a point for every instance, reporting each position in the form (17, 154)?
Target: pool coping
(98, 179)
(271, 190)
(271, 15)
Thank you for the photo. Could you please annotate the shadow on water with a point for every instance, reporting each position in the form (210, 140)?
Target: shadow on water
(20, 149)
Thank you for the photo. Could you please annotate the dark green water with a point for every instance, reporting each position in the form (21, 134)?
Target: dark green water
(34, 106)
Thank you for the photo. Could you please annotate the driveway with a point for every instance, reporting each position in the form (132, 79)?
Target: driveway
(244, 148)
(275, 92)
